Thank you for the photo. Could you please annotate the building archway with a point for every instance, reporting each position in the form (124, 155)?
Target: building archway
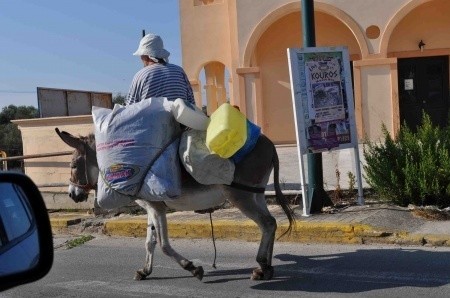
(295, 7)
(270, 57)
(423, 73)
(214, 84)
(396, 19)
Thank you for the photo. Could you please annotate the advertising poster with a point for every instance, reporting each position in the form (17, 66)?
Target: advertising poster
(322, 90)
(322, 98)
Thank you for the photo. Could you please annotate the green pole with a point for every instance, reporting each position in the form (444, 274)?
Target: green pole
(317, 195)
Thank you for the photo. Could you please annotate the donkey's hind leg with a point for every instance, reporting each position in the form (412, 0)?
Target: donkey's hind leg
(254, 207)
(157, 213)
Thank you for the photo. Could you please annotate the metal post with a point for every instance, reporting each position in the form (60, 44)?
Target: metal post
(4, 162)
(317, 195)
(309, 30)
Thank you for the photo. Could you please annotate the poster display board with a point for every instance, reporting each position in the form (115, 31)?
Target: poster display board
(322, 98)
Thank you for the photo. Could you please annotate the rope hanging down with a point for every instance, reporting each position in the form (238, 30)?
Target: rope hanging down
(214, 240)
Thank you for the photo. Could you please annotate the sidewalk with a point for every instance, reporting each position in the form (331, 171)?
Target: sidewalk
(370, 223)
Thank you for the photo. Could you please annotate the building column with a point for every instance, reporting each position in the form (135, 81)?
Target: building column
(215, 85)
(250, 99)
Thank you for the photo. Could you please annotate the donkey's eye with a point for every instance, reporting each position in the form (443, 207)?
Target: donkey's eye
(73, 166)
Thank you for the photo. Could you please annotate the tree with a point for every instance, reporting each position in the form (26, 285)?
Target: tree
(13, 112)
(10, 138)
(119, 99)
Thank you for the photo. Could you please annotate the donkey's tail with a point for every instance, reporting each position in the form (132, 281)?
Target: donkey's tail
(280, 198)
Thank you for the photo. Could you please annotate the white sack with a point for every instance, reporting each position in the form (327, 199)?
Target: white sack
(127, 139)
(205, 167)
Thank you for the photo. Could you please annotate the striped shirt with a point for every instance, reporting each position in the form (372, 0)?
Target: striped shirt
(158, 80)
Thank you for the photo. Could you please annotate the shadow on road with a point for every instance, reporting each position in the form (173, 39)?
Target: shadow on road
(352, 272)
(360, 271)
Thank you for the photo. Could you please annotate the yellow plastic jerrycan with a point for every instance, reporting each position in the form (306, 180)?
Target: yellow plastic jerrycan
(227, 131)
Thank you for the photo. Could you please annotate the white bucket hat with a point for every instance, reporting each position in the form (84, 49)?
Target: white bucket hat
(152, 45)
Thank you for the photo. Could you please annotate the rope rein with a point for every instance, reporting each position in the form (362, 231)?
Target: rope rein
(213, 239)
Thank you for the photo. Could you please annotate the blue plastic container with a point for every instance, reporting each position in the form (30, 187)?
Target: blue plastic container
(253, 133)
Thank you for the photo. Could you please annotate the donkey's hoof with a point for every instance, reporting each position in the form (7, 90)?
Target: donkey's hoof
(198, 272)
(257, 274)
(140, 275)
(262, 274)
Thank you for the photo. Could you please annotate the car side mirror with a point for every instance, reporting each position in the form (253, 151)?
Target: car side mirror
(26, 242)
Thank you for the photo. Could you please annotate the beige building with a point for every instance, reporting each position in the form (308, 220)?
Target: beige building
(236, 50)
(399, 50)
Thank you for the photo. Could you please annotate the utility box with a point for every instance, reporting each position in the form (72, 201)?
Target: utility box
(62, 102)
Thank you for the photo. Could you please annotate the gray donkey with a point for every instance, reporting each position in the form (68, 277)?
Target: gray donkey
(246, 193)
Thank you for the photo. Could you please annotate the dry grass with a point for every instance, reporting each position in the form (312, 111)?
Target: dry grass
(431, 214)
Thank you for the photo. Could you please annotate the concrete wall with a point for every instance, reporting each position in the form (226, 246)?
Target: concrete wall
(375, 100)
(39, 137)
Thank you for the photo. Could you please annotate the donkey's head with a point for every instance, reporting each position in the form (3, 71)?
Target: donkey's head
(83, 167)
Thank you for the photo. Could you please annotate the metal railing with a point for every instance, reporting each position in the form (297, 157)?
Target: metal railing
(35, 155)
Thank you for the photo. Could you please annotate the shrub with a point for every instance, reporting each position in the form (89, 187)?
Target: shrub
(414, 168)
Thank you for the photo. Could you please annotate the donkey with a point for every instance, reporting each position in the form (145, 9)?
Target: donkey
(246, 193)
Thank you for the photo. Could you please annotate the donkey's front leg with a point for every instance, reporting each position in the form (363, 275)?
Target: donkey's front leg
(150, 243)
(157, 212)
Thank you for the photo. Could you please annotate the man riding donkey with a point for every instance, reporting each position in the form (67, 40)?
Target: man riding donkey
(136, 152)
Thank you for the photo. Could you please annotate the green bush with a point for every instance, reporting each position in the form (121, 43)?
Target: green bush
(414, 168)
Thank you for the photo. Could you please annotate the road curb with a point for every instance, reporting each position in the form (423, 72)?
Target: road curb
(247, 230)
(302, 232)
(60, 223)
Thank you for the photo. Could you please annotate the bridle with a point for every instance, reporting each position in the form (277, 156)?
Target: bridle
(88, 186)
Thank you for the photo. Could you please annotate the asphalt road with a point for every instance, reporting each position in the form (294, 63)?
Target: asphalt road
(104, 267)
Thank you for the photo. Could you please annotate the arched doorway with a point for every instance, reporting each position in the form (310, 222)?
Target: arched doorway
(271, 58)
(423, 73)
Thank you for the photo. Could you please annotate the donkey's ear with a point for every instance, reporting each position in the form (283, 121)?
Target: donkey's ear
(70, 140)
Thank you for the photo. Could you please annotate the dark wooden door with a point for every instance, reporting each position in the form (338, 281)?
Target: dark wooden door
(423, 85)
